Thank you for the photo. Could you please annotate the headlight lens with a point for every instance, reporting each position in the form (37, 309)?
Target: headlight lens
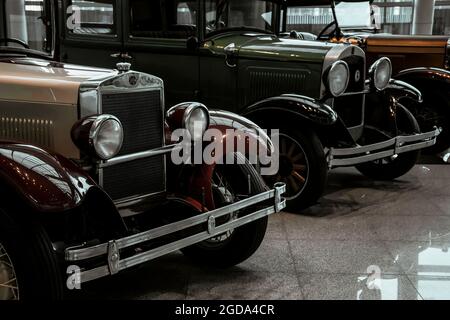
(381, 72)
(338, 78)
(106, 136)
(196, 121)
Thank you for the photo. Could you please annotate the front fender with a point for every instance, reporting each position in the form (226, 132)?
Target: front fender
(234, 127)
(432, 76)
(399, 90)
(46, 182)
(305, 107)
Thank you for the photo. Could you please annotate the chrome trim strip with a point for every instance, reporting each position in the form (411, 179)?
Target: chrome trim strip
(111, 248)
(363, 149)
(397, 145)
(140, 155)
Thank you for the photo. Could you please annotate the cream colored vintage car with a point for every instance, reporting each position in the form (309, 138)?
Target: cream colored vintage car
(87, 187)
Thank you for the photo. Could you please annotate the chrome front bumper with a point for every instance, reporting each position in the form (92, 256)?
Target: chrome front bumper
(341, 157)
(111, 249)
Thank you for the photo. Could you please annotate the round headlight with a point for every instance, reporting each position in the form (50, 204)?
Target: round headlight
(106, 136)
(381, 72)
(196, 121)
(338, 78)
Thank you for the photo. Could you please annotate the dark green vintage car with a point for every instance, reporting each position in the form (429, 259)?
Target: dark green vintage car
(228, 54)
(420, 60)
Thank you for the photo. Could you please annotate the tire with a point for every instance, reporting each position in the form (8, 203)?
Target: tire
(434, 111)
(243, 241)
(390, 169)
(304, 186)
(32, 259)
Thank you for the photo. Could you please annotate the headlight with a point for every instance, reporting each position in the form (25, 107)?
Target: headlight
(338, 78)
(196, 120)
(106, 136)
(381, 73)
(99, 136)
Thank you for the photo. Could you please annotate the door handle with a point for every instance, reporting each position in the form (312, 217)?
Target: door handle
(231, 52)
(122, 55)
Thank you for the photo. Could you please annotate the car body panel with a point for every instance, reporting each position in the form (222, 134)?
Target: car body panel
(39, 101)
(407, 51)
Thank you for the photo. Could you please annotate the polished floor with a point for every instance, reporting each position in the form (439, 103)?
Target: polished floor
(364, 240)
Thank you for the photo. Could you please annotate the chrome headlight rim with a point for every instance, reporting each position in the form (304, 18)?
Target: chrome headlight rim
(188, 114)
(96, 128)
(374, 69)
(333, 68)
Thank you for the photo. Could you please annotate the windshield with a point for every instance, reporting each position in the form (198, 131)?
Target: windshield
(221, 15)
(354, 14)
(24, 25)
(393, 18)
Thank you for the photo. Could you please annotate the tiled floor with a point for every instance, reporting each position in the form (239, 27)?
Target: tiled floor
(398, 231)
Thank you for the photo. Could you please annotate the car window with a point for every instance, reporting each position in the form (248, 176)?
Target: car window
(91, 17)
(221, 15)
(308, 19)
(23, 21)
(171, 19)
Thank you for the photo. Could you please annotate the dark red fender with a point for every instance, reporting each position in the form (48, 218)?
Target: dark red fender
(199, 184)
(47, 181)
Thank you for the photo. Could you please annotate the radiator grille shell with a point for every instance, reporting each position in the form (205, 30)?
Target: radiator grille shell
(141, 115)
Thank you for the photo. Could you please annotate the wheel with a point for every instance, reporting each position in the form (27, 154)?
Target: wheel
(303, 168)
(434, 111)
(28, 266)
(397, 165)
(234, 246)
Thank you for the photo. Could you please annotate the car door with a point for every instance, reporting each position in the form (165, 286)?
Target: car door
(91, 32)
(157, 34)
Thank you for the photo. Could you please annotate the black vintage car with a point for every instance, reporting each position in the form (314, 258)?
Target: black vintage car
(87, 185)
(420, 60)
(330, 108)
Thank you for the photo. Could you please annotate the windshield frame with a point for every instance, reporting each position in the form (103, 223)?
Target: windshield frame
(275, 27)
(49, 9)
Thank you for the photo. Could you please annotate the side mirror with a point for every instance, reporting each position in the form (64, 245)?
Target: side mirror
(192, 43)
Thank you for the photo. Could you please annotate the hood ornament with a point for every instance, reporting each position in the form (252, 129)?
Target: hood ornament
(123, 67)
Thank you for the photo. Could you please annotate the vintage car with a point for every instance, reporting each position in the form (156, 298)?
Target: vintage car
(422, 61)
(329, 111)
(87, 184)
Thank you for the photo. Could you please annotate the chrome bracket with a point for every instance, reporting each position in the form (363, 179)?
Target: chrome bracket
(280, 203)
(113, 257)
(211, 224)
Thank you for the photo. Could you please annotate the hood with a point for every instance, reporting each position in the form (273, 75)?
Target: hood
(36, 80)
(270, 47)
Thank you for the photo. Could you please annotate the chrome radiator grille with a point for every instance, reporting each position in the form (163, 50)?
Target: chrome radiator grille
(134, 178)
(141, 116)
